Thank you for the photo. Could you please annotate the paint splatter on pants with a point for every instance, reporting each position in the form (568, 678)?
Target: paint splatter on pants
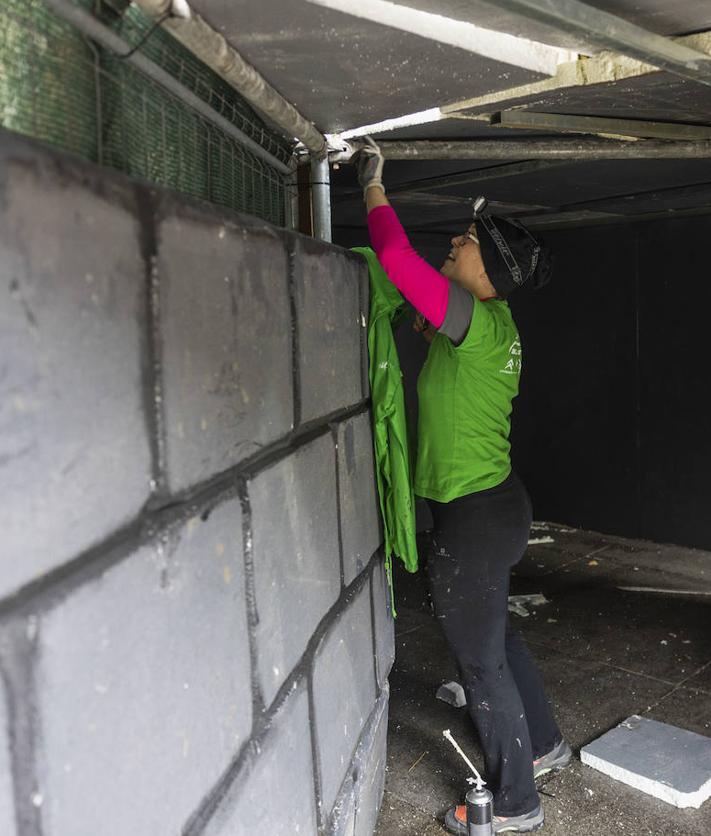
(476, 540)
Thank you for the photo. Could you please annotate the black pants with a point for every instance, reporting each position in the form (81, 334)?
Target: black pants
(476, 540)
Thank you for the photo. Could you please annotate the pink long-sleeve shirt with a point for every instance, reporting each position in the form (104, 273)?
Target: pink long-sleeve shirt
(446, 305)
(426, 288)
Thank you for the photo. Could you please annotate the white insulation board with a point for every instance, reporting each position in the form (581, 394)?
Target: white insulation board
(661, 760)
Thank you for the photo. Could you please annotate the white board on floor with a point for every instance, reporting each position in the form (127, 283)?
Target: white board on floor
(664, 761)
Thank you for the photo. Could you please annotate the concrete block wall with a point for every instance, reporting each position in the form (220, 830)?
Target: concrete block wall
(195, 635)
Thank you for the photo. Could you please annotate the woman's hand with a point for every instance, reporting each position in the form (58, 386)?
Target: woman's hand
(422, 326)
(369, 165)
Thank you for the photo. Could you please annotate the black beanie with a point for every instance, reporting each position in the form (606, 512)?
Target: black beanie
(512, 255)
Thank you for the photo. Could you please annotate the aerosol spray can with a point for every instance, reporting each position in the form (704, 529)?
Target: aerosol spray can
(480, 810)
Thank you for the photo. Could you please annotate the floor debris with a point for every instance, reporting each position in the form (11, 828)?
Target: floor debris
(663, 591)
(416, 762)
(539, 541)
(452, 693)
(546, 526)
(518, 603)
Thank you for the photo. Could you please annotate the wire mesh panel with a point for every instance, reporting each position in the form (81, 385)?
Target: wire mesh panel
(58, 86)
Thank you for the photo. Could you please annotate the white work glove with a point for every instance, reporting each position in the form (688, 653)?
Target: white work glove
(369, 163)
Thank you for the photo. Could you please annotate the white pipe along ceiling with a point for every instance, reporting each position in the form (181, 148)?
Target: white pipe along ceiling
(615, 94)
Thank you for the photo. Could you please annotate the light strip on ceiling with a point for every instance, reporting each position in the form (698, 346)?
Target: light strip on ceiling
(499, 46)
(422, 117)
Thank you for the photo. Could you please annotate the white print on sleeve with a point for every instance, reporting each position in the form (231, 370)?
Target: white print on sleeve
(513, 365)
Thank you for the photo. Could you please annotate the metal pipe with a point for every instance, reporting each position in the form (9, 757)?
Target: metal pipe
(464, 178)
(564, 123)
(536, 149)
(321, 198)
(86, 23)
(291, 199)
(213, 49)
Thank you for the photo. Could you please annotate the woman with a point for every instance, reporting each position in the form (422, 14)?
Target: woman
(481, 510)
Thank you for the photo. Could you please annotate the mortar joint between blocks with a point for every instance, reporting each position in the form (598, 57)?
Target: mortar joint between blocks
(373, 564)
(339, 521)
(153, 385)
(250, 595)
(293, 266)
(17, 675)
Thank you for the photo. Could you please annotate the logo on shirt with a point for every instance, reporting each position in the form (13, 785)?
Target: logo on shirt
(513, 364)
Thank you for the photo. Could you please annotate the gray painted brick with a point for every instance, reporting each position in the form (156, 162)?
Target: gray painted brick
(360, 515)
(384, 623)
(329, 324)
(226, 342)
(7, 802)
(296, 564)
(344, 692)
(144, 684)
(274, 793)
(371, 760)
(74, 448)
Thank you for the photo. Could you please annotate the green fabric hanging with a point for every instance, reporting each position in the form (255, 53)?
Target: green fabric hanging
(392, 459)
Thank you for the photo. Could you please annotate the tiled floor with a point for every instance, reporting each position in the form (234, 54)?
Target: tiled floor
(606, 652)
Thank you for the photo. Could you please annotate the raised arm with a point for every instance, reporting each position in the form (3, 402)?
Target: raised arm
(446, 305)
(426, 288)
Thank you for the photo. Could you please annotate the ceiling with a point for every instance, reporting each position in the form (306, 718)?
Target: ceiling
(344, 71)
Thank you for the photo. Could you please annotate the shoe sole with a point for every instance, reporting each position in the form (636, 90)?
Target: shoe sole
(508, 830)
(461, 829)
(522, 829)
(559, 768)
(556, 767)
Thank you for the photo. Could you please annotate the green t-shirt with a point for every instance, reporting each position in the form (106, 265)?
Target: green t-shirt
(465, 394)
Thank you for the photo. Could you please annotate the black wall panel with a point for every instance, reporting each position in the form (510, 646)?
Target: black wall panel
(574, 434)
(675, 395)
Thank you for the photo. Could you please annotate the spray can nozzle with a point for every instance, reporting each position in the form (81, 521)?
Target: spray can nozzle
(477, 783)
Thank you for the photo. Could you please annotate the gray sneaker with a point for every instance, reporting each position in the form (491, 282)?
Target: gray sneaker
(520, 824)
(557, 759)
(455, 822)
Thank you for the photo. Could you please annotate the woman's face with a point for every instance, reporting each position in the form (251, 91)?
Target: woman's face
(465, 266)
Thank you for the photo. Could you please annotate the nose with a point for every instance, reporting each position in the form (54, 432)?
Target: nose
(455, 242)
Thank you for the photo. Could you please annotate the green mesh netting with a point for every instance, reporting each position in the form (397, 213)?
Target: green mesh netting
(58, 86)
